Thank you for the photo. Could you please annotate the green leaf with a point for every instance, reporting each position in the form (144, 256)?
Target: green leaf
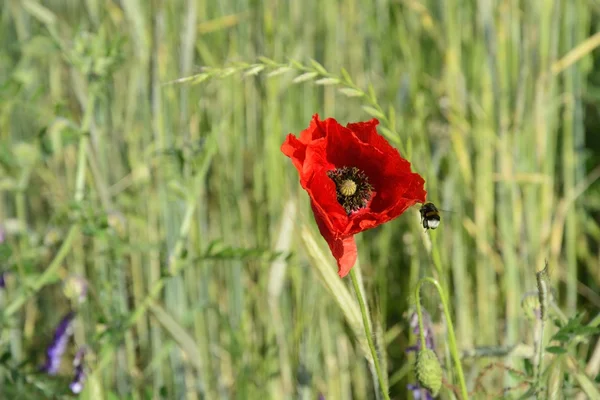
(350, 92)
(254, 70)
(320, 69)
(5, 252)
(278, 71)
(7, 158)
(586, 330)
(391, 136)
(392, 116)
(556, 350)
(373, 112)
(305, 77)
(372, 95)
(346, 76)
(194, 79)
(528, 365)
(574, 327)
(296, 64)
(267, 61)
(327, 81)
(561, 337)
(228, 72)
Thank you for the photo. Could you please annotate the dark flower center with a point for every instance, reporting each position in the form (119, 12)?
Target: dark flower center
(352, 188)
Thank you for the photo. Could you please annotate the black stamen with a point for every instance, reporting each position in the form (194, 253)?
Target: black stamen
(352, 188)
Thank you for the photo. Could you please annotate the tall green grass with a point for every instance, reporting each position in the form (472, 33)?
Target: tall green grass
(207, 276)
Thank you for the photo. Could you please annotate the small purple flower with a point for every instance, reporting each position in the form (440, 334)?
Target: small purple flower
(56, 349)
(428, 331)
(78, 381)
(419, 393)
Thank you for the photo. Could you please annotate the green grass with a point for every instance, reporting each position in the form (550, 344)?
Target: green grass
(145, 157)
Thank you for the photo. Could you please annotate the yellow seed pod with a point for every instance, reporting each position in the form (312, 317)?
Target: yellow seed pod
(429, 371)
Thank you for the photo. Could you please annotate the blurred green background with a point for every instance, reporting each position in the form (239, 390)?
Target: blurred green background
(207, 278)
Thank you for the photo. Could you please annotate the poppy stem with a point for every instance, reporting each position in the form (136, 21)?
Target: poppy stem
(451, 337)
(365, 318)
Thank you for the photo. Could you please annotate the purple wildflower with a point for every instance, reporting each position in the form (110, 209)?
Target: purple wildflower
(428, 331)
(78, 381)
(419, 393)
(56, 349)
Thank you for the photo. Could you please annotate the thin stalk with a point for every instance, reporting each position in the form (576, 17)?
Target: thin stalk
(46, 277)
(83, 142)
(543, 298)
(540, 360)
(22, 217)
(365, 318)
(67, 244)
(451, 337)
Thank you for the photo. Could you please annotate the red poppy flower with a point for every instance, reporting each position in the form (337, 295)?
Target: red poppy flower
(355, 179)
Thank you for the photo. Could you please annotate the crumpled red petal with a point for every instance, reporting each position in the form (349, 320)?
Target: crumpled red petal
(343, 249)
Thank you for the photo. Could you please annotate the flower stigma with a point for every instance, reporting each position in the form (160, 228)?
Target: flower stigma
(348, 187)
(352, 188)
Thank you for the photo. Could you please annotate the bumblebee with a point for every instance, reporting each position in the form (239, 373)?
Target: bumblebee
(430, 216)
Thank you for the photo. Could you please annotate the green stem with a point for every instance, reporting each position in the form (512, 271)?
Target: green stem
(51, 270)
(46, 277)
(365, 318)
(451, 337)
(542, 287)
(22, 217)
(83, 143)
(540, 360)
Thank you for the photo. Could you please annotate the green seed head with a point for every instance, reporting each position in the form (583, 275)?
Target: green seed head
(429, 371)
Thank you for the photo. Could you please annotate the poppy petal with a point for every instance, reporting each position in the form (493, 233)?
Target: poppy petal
(321, 190)
(345, 253)
(314, 131)
(295, 150)
(365, 131)
(316, 161)
(343, 249)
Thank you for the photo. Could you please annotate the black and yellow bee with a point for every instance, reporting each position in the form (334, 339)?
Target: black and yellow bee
(430, 216)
